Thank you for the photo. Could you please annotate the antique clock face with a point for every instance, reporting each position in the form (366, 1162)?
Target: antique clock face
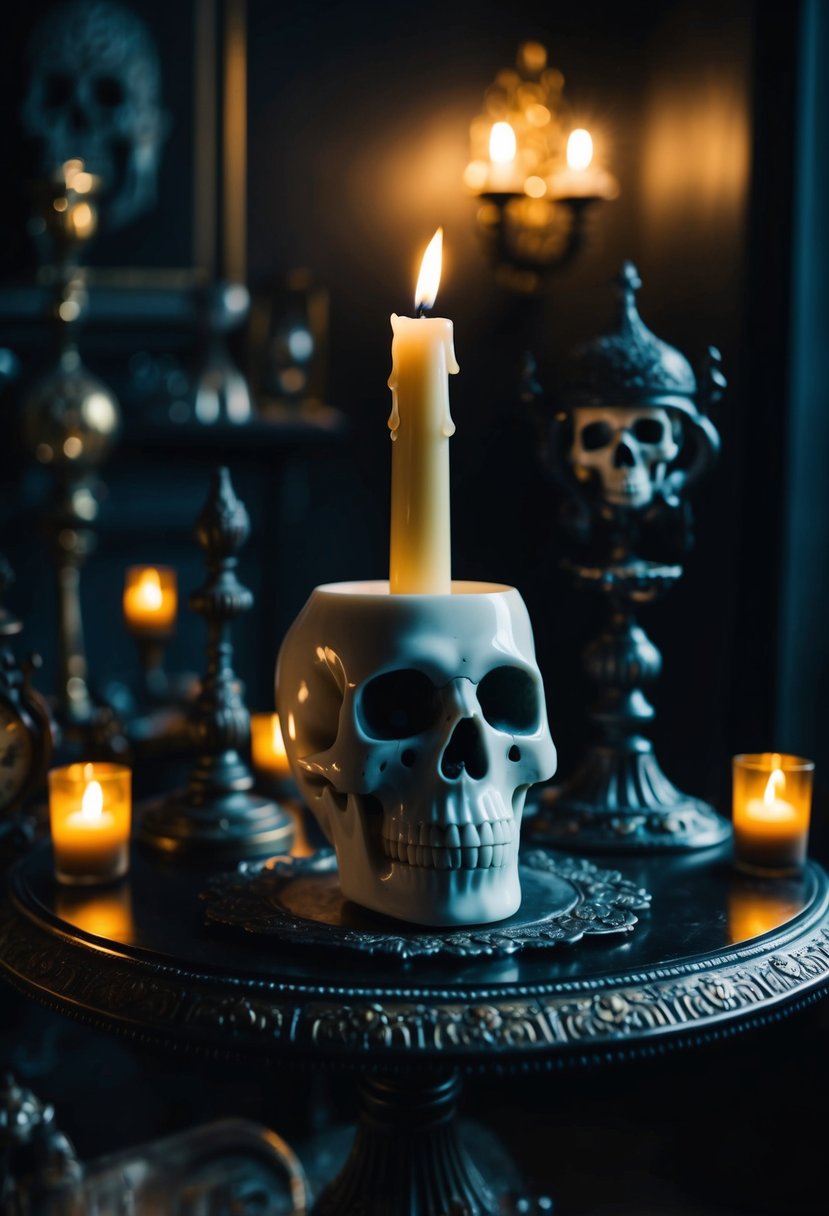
(27, 734)
(17, 755)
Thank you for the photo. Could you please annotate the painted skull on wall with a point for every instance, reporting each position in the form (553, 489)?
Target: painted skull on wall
(415, 726)
(628, 449)
(94, 94)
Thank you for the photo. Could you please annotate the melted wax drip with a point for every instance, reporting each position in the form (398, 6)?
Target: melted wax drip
(447, 426)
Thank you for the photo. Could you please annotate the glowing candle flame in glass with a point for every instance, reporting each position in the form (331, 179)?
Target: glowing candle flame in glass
(92, 803)
(90, 813)
(150, 600)
(772, 798)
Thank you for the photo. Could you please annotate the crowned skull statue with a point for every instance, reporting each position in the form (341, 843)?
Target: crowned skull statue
(415, 725)
(94, 95)
(631, 437)
(629, 440)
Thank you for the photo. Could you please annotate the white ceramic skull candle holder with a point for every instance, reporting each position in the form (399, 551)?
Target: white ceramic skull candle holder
(415, 725)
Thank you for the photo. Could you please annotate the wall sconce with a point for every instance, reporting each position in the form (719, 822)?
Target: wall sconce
(532, 171)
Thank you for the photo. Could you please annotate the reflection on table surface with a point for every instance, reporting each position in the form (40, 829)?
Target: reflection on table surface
(700, 902)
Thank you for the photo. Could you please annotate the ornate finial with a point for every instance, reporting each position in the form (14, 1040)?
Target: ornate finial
(628, 364)
(224, 525)
(628, 283)
(712, 379)
(219, 812)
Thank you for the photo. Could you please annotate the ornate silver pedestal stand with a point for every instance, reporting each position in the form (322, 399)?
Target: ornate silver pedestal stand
(619, 796)
(630, 440)
(219, 814)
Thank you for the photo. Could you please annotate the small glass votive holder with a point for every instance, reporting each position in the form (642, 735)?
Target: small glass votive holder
(150, 601)
(771, 812)
(90, 816)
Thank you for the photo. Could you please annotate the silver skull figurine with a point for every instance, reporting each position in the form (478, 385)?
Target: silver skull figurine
(628, 449)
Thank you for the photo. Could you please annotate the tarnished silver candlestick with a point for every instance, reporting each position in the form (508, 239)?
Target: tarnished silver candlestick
(219, 814)
(70, 421)
(630, 440)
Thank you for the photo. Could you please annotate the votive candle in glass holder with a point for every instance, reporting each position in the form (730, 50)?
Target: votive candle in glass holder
(771, 808)
(150, 600)
(90, 814)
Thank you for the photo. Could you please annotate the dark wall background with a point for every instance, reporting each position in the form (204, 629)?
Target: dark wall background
(358, 127)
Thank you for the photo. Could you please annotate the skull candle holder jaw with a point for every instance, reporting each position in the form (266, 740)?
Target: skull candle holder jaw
(415, 725)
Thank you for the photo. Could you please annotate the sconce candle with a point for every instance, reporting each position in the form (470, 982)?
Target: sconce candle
(90, 813)
(772, 803)
(267, 745)
(423, 356)
(503, 171)
(150, 600)
(583, 179)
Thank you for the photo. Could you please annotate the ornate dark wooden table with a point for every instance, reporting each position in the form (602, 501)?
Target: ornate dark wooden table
(715, 952)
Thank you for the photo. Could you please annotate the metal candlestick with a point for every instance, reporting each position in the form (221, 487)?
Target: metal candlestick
(219, 813)
(630, 440)
(70, 421)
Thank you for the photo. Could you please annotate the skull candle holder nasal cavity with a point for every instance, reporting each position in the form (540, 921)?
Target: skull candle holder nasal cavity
(415, 725)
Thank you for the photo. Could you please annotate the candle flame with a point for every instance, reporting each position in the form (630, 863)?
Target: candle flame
(579, 149)
(775, 786)
(148, 590)
(502, 143)
(92, 803)
(428, 280)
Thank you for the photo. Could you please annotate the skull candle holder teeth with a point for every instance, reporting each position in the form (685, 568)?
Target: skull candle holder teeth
(416, 724)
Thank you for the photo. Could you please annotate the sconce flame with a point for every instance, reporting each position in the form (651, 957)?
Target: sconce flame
(428, 280)
(775, 786)
(502, 143)
(92, 803)
(579, 149)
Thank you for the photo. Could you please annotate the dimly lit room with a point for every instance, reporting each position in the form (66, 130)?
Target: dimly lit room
(413, 559)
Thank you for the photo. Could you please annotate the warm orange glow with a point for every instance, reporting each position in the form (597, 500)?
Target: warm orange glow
(772, 797)
(754, 911)
(83, 220)
(150, 599)
(106, 914)
(90, 812)
(502, 143)
(579, 149)
(268, 746)
(695, 158)
(428, 280)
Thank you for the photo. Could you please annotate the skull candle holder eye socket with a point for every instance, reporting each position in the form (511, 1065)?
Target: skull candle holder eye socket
(415, 725)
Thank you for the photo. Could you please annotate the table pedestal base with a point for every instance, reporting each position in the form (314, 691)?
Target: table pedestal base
(407, 1158)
